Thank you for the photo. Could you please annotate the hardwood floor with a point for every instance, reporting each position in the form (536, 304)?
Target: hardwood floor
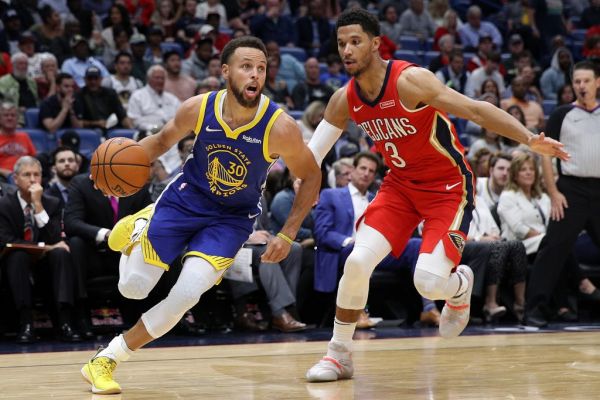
(516, 366)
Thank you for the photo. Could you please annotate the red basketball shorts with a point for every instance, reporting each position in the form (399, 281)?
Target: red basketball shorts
(445, 208)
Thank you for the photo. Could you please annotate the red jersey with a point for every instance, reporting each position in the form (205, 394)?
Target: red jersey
(418, 145)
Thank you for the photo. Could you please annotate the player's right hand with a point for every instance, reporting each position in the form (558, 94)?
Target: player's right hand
(559, 203)
(277, 250)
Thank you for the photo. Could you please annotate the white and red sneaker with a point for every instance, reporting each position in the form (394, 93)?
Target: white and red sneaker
(455, 314)
(330, 369)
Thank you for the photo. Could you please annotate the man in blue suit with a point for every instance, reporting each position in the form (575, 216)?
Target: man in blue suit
(335, 219)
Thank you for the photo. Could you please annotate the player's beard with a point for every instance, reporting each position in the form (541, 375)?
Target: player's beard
(239, 96)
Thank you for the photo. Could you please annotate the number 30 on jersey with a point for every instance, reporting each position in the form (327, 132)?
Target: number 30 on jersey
(395, 158)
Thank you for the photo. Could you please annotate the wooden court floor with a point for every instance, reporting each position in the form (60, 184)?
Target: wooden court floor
(515, 366)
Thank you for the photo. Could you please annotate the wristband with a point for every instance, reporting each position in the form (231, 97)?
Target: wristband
(285, 237)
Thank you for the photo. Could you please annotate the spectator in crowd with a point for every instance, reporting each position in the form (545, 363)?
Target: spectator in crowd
(416, 21)
(313, 30)
(390, 26)
(140, 11)
(98, 107)
(27, 43)
(151, 106)
(449, 26)
(273, 25)
(215, 70)
(312, 89)
(185, 146)
(446, 47)
(29, 217)
(335, 76)
(557, 74)
(89, 216)
(17, 87)
(342, 172)
(591, 15)
(454, 74)
(527, 74)
(212, 30)
(12, 29)
(140, 65)
(437, 9)
(196, 65)
(208, 84)
(64, 166)
(122, 80)
(156, 37)
(516, 48)
(480, 58)
(275, 89)
(159, 178)
(165, 16)
(212, 7)
(117, 17)
(534, 114)
(81, 61)
(290, 69)
(279, 282)
(476, 28)
(548, 21)
(573, 204)
(177, 83)
(310, 119)
(13, 144)
(490, 140)
(489, 188)
(473, 130)
(481, 162)
(46, 82)
(121, 39)
(50, 29)
(187, 18)
(565, 95)
(488, 71)
(56, 112)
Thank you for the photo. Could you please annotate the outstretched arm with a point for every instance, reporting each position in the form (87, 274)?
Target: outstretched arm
(286, 141)
(418, 85)
(174, 130)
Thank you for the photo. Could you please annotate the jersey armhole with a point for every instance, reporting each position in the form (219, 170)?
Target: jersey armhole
(201, 113)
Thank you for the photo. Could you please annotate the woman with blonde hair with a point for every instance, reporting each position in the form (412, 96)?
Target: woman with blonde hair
(450, 25)
(310, 119)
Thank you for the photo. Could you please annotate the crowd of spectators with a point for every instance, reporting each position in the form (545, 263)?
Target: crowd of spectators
(75, 72)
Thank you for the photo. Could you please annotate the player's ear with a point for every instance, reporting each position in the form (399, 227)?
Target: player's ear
(375, 43)
(225, 71)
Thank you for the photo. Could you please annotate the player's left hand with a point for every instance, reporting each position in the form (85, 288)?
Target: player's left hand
(548, 146)
(277, 250)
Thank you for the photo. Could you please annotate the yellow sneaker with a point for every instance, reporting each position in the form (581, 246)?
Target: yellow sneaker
(128, 230)
(98, 373)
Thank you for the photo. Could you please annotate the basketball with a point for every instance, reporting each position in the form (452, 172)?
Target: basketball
(120, 167)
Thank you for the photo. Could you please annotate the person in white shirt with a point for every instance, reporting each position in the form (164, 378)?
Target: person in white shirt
(122, 82)
(489, 189)
(488, 71)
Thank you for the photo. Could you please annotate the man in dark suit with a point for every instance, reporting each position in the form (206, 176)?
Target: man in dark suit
(29, 217)
(89, 217)
(335, 219)
(314, 30)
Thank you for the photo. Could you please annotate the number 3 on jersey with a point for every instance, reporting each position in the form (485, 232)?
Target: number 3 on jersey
(393, 154)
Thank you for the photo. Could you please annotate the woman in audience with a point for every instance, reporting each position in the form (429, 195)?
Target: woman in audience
(565, 95)
(117, 17)
(390, 26)
(165, 16)
(480, 162)
(510, 146)
(524, 209)
(276, 89)
(311, 118)
(450, 25)
(46, 82)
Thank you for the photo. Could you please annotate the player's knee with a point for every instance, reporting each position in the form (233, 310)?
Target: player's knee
(429, 285)
(184, 297)
(135, 286)
(358, 266)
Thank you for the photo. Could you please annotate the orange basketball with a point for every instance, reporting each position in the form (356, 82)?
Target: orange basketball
(120, 167)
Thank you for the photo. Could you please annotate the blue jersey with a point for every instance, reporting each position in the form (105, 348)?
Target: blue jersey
(227, 169)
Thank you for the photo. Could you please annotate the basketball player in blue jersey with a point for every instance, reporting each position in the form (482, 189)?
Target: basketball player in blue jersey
(207, 211)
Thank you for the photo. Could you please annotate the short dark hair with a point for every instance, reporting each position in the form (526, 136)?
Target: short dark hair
(455, 53)
(587, 64)
(367, 21)
(191, 136)
(60, 149)
(499, 156)
(369, 155)
(169, 54)
(61, 76)
(123, 54)
(244, 41)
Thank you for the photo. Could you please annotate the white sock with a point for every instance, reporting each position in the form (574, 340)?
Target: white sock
(342, 334)
(117, 350)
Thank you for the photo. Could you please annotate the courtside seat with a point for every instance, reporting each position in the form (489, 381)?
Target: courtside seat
(32, 118)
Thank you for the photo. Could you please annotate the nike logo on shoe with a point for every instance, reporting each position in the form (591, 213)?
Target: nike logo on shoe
(449, 187)
(209, 129)
(356, 109)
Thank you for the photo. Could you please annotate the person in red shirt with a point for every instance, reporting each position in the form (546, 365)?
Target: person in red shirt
(404, 109)
(13, 144)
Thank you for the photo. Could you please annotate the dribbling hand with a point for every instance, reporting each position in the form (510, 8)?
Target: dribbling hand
(548, 146)
(277, 250)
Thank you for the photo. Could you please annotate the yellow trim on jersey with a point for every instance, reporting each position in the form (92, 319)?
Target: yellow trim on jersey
(233, 134)
(456, 222)
(218, 263)
(201, 113)
(150, 256)
(268, 133)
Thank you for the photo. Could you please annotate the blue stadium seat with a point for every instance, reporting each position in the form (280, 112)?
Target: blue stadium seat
(578, 35)
(322, 67)
(32, 118)
(410, 43)
(171, 46)
(39, 138)
(297, 52)
(408, 55)
(296, 114)
(548, 106)
(89, 140)
(428, 56)
(128, 133)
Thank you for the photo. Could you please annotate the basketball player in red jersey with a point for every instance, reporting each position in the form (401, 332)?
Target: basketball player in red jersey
(403, 108)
